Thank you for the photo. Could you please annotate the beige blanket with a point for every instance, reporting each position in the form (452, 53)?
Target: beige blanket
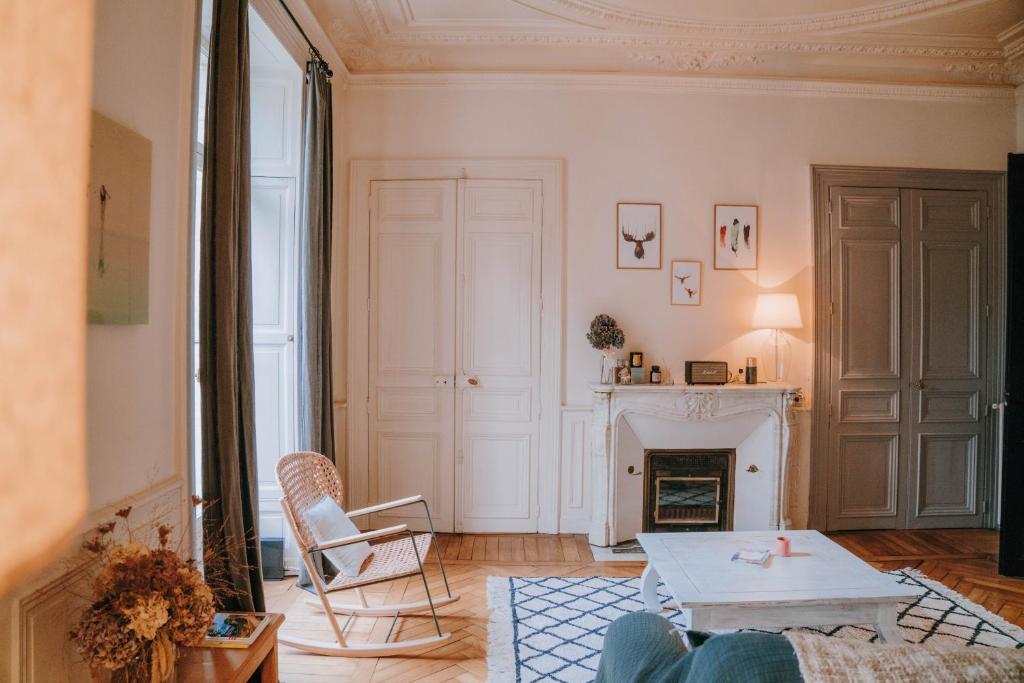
(839, 660)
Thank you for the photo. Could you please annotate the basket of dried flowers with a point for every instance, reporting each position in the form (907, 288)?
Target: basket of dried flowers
(145, 603)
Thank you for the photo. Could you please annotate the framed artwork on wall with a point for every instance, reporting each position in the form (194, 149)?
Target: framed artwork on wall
(638, 235)
(687, 287)
(736, 235)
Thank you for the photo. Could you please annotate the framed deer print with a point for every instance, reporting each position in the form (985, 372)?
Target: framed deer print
(638, 235)
(736, 235)
(687, 287)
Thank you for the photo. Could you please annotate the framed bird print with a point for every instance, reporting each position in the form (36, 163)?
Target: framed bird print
(638, 235)
(736, 235)
(687, 283)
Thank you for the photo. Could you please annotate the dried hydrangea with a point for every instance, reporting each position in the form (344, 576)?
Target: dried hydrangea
(146, 602)
(605, 334)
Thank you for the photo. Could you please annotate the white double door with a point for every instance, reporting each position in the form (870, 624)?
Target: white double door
(454, 363)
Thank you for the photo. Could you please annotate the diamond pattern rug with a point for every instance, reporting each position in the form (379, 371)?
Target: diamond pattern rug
(548, 628)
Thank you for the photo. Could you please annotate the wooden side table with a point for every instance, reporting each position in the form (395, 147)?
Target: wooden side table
(232, 665)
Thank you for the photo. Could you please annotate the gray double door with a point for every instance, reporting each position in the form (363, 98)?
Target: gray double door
(907, 388)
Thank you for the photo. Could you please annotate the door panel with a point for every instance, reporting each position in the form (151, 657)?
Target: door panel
(870, 276)
(412, 348)
(498, 355)
(868, 475)
(866, 400)
(947, 234)
(947, 465)
(949, 309)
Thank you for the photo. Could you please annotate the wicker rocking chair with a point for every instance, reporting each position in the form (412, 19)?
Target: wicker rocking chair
(305, 479)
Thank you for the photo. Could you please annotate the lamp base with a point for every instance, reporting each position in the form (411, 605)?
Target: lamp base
(778, 354)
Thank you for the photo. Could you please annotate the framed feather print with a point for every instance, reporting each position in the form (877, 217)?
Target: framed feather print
(736, 235)
(638, 235)
(687, 287)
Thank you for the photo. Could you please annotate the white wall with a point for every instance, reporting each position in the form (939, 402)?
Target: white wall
(136, 391)
(687, 150)
(136, 375)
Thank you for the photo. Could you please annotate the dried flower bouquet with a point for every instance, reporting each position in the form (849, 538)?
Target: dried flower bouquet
(145, 603)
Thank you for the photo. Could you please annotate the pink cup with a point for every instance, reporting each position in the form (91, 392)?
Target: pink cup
(782, 546)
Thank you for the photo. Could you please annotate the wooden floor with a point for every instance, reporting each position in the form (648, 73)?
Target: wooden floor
(963, 559)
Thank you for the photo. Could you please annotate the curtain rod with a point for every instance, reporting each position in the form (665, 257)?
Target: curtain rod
(312, 48)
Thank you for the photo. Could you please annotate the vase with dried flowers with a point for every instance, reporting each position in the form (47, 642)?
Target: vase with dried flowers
(605, 336)
(145, 602)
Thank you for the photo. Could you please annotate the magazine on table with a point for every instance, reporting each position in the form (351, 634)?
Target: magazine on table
(758, 557)
(235, 629)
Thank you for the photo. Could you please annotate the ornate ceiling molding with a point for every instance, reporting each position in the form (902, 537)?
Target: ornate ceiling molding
(856, 18)
(681, 84)
(450, 38)
(694, 61)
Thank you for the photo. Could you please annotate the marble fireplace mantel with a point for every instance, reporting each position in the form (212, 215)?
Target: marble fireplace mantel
(693, 405)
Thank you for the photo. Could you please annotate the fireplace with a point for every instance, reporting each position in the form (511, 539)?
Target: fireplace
(688, 490)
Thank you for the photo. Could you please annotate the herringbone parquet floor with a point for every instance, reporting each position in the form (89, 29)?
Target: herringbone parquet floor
(963, 559)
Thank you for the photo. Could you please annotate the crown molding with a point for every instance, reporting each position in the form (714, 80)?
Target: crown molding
(679, 84)
(905, 47)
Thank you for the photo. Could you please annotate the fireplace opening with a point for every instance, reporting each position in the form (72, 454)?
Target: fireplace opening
(688, 490)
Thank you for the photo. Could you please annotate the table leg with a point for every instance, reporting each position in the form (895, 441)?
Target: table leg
(887, 628)
(268, 669)
(649, 588)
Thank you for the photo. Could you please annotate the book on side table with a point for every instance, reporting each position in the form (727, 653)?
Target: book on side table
(235, 629)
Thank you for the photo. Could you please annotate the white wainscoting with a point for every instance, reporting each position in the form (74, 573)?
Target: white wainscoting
(43, 611)
(574, 493)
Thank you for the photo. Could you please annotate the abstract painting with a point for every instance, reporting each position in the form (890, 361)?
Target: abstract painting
(736, 235)
(638, 235)
(119, 187)
(687, 283)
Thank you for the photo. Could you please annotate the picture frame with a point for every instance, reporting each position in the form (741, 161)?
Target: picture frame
(638, 232)
(737, 235)
(686, 282)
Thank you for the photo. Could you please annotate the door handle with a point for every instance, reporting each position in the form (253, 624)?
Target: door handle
(472, 381)
(919, 385)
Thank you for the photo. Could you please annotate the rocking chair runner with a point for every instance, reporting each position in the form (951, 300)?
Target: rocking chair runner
(305, 479)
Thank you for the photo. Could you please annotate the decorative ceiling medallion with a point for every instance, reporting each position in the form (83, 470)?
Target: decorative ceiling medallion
(692, 61)
(860, 17)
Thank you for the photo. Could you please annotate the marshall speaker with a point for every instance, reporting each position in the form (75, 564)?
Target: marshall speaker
(706, 372)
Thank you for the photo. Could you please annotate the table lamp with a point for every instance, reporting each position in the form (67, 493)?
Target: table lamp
(777, 312)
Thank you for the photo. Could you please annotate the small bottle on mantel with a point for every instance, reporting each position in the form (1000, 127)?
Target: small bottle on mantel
(655, 374)
(751, 370)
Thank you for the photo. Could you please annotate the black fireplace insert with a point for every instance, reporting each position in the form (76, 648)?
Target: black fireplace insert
(688, 490)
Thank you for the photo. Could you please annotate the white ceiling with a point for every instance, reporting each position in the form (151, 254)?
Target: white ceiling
(891, 41)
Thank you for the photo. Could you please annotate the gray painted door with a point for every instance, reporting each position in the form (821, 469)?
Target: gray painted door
(867, 405)
(947, 232)
(907, 375)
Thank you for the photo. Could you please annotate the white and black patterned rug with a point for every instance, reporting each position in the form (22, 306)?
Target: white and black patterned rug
(549, 628)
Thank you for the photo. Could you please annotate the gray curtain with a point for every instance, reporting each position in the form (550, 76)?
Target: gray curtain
(230, 520)
(316, 411)
(316, 414)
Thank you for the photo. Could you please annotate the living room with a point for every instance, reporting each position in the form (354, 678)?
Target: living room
(603, 293)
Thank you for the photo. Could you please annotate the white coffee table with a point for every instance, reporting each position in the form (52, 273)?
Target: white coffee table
(820, 584)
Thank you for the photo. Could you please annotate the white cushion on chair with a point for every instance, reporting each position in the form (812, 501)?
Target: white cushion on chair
(328, 522)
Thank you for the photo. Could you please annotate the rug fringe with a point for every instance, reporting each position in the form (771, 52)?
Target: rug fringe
(959, 598)
(501, 664)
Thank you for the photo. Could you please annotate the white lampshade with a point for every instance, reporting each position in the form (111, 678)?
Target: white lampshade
(777, 312)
